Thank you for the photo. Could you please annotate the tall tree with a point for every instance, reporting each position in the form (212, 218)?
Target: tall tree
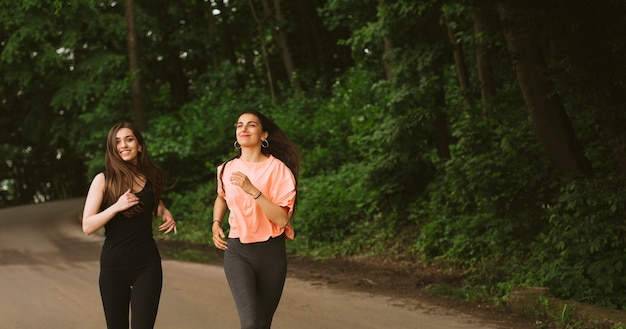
(483, 58)
(459, 59)
(266, 61)
(278, 24)
(598, 64)
(554, 129)
(435, 38)
(133, 60)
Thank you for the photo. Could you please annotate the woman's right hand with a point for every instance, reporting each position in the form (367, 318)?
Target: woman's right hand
(219, 236)
(126, 201)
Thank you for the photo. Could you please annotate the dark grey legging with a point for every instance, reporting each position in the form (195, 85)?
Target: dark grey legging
(256, 275)
(140, 289)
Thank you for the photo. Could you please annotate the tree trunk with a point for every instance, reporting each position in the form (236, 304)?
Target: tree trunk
(313, 43)
(79, 179)
(281, 39)
(552, 124)
(133, 58)
(268, 70)
(459, 63)
(598, 70)
(485, 76)
(442, 135)
(278, 31)
(226, 42)
(213, 32)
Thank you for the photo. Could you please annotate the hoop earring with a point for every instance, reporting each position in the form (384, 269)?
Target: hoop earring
(236, 145)
(265, 143)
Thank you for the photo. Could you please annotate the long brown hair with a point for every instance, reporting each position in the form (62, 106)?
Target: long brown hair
(120, 175)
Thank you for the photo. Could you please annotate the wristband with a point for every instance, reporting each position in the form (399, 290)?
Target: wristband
(258, 196)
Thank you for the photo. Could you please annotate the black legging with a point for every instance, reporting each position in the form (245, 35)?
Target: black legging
(141, 289)
(256, 275)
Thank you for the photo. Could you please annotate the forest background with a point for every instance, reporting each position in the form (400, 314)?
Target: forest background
(487, 136)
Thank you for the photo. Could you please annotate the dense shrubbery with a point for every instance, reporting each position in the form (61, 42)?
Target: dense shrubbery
(495, 206)
(580, 254)
(412, 147)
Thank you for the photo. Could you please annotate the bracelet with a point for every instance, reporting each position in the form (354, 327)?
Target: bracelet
(218, 221)
(258, 196)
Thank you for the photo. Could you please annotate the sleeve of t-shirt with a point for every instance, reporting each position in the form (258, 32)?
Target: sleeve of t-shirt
(220, 184)
(284, 188)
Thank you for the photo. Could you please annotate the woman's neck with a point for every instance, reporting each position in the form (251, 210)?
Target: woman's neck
(252, 155)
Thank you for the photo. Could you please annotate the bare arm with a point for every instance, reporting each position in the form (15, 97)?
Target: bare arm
(93, 219)
(277, 214)
(219, 210)
(168, 220)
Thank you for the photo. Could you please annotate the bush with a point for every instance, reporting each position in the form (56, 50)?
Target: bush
(581, 254)
(330, 205)
(487, 201)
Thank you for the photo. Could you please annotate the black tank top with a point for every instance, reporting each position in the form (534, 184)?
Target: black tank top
(129, 244)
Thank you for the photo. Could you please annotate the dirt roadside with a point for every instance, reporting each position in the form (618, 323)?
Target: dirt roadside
(397, 280)
(49, 279)
(49, 271)
(407, 281)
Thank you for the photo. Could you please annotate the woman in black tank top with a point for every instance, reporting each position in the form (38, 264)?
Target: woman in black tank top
(124, 199)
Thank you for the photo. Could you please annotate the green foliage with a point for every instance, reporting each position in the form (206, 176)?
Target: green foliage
(395, 148)
(193, 212)
(344, 201)
(369, 148)
(335, 127)
(375, 175)
(583, 249)
(562, 317)
(192, 142)
(487, 200)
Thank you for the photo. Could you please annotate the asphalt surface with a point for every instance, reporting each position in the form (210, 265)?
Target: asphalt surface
(49, 279)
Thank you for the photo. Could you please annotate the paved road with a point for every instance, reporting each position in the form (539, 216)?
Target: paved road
(49, 279)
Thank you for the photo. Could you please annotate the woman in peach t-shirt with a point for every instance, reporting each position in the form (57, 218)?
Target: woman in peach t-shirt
(258, 188)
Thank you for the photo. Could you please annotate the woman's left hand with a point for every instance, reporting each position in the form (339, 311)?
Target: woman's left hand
(168, 223)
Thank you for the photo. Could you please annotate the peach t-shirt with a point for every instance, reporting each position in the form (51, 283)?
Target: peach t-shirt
(246, 219)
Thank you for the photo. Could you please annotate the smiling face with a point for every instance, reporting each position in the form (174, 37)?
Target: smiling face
(126, 145)
(249, 130)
